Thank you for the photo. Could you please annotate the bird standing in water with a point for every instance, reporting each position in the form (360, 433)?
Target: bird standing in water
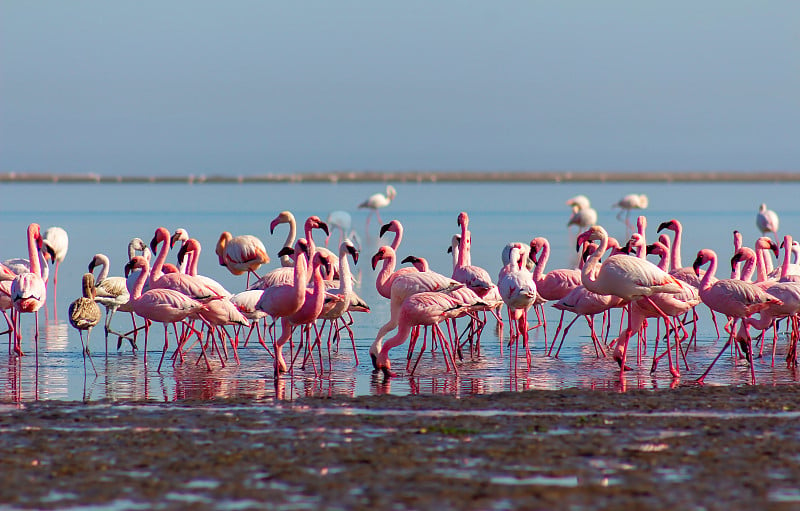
(84, 314)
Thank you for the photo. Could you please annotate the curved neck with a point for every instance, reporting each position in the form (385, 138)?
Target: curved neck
(398, 235)
(787, 255)
(382, 279)
(161, 258)
(712, 269)
(538, 269)
(33, 253)
(286, 260)
(592, 266)
(676, 248)
(139, 285)
(192, 264)
(104, 263)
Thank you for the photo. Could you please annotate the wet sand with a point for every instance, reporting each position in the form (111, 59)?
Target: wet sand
(691, 447)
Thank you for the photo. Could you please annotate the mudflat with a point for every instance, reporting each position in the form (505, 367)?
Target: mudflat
(691, 447)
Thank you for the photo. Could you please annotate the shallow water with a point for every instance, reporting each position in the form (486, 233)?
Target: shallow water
(103, 218)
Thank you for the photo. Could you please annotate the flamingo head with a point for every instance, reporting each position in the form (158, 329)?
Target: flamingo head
(762, 208)
(136, 262)
(641, 223)
(742, 254)
(672, 225)
(49, 253)
(180, 234)
(222, 242)
(384, 252)
(657, 248)
(593, 233)
(703, 256)
(578, 202)
(167, 268)
(284, 217)
(190, 245)
(351, 249)
(315, 222)
(161, 236)
(285, 251)
(391, 193)
(463, 219)
(94, 263)
(787, 241)
(35, 232)
(766, 243)
(391, 226)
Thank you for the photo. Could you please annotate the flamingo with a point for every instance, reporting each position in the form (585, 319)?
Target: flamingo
(386, 276)
(377, 201)
(628, 203)
(767, 221)
(84, 314)
(56, 238)
(162, 305)
(284, 274)
(582, 302)
(518, 291)
(582, 217)
(192, 246)
(187, 284)
(28, 290)
(428, 308)
(733, 298)
(403, 286)
(343, 222)
(240, 254)
(474, 277)
(555, 284)
(629, 278)
(579, 201)
(337, 308)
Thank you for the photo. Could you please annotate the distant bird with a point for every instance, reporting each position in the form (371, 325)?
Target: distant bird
(56, 238)
(84, 314)
(767, 221)
(583, 217)
(627, 203)
(341, 221)
(377, 201)
(579, 201)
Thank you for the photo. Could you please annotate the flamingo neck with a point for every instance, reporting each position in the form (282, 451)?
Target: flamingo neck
(787, 255)
(398, 235)
(192, 263)
(712, 269)
(592, 266)
(382, 280)
(33, 253)
(104, 264)
(463, 251)
(156, 271)
(676, 248)
(538, 269)
(300, 278)
(761, 265)
(140, 281)
(286, 260)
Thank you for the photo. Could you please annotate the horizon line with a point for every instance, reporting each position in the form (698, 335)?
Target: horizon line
(415, 176)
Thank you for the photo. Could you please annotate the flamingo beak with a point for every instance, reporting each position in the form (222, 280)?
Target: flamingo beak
(377, 257)
(774, 247)
(696, 265)
(384, 229)
(324, 227)
(664, 225)
(273, 224)
(353, 252)
(128, 268)
(181, 254)
(154, 244)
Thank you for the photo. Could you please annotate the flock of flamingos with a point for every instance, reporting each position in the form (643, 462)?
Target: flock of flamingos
(313, 291)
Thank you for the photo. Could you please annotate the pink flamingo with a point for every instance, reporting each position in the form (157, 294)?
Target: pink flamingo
(334, 310)
(193, 248)
(474, 277)
(306, 315)
(403, 286)
(187, 284)
(767, 221)
(165, 306)
(629, 278)
(428, 308)
(518, 291)
(733, 298)
(28, 290)
(241, 254)
(377, 201)
(555, 284)
(582, 302)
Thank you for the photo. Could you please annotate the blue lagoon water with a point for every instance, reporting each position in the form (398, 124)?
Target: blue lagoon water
(104, 217)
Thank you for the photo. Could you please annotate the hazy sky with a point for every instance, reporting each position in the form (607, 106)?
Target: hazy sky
(250, 87)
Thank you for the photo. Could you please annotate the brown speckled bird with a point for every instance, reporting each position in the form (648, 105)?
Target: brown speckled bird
(84, 313)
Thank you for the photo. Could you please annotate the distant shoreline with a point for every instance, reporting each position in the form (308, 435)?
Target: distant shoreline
(418, 177)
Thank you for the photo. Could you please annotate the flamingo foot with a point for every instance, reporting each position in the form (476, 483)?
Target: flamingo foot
(675, 372)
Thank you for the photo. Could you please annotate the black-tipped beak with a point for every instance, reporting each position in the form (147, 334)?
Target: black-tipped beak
(409, 259)
(774, 247)
(651, 249)
(49, 251)
(91, 266)
(696, 266)
(664, 225)
(128, 268)
(450, 249)
(384, 228)
(154, 245)
(377, 257)
(285, 251)
(353, 252)
(182, 254)
(324, 227)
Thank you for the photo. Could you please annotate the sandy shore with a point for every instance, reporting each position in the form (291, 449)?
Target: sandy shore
(687, 448)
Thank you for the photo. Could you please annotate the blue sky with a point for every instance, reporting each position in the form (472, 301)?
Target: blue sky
(253, 87)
